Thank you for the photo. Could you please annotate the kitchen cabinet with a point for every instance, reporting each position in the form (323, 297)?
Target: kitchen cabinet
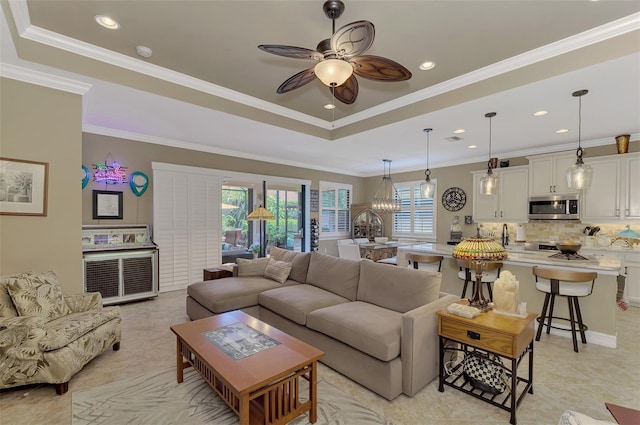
(613, 195)
(509, 204)
(632, 282)
(548, 174)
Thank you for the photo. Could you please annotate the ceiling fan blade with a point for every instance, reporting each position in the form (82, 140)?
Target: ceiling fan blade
(379, 69)
(296, 81)
(347, 92)
(353, 39)
(291, 51)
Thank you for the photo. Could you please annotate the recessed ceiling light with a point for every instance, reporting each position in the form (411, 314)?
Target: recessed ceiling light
(425, 66)
(472, 146)
(106, 22)
(562, 130)
(329, 106)
(459, 131)
(540, 113)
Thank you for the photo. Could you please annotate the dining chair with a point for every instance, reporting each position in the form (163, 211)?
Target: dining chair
(345, 241)
(361, 240)
(350, 251)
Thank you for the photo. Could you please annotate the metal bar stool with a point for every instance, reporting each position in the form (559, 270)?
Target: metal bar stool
(467, 273)
(566, 283)
(428, 261)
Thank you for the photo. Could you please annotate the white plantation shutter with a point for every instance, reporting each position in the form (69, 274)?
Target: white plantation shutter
(417, 215)
(335, 207)
(186, 225)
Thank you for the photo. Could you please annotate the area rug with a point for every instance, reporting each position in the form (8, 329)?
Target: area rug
(156, 398)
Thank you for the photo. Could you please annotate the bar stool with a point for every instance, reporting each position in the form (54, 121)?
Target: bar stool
(467, 273)
(423, 261)
(566, 283)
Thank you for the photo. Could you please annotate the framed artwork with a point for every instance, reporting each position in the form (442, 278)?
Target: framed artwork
(23, 187)
(107, 205)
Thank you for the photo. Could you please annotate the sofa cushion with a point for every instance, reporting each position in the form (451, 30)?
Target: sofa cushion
(64, 330)
(7, 309)
(38, 294)
(295, 302)
(230, 293)
(299, 262)
(277, 270)
(397, 288)
(338, 275)
(366, 327)
(253, 267)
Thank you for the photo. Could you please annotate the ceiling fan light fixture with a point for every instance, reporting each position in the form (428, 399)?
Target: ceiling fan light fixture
(333, 72)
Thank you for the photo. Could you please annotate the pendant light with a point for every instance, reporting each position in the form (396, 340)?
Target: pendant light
(427, 187)
(579, 174)
(386, 199)
(489, 182)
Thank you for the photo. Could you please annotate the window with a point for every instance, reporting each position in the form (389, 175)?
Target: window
(335, 210)
(417, 215)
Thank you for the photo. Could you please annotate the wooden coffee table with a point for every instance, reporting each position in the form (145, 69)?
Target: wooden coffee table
(260, 388)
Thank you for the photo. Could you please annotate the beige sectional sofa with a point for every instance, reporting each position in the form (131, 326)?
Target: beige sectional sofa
(376, 323)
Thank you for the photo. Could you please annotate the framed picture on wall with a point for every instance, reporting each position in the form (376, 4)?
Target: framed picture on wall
(23, 187)
(107, 205)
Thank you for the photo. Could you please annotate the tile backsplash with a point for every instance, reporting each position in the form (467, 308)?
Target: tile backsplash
(552, 230)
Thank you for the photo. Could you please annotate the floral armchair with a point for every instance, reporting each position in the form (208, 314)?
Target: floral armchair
(46, 337)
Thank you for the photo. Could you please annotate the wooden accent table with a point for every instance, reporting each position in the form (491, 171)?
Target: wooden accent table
(506, 336)
(260, 388)
(216, 273)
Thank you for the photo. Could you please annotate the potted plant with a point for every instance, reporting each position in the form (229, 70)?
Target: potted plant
(255, 248)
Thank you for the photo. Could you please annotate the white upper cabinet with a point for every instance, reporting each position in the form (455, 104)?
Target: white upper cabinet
(614, 194)
(509, 204)
(547, 174)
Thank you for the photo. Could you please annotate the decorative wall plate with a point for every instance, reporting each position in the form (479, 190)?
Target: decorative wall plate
(85, 176)
(138, 182)
(454, 199)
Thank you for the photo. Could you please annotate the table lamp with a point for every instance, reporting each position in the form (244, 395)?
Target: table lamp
(479, 251)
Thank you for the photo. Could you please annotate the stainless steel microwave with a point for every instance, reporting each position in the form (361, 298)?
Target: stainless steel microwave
(554, 207)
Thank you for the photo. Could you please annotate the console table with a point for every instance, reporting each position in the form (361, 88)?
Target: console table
(505, 336)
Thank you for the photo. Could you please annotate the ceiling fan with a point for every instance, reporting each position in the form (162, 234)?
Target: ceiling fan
(339, 57)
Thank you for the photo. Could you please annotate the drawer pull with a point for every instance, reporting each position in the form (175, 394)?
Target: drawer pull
(473, 335)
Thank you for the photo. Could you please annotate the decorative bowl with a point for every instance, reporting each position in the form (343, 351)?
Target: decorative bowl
(380, 239)
(568, 247)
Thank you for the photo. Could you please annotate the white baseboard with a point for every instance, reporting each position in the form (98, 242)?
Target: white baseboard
(597, 338)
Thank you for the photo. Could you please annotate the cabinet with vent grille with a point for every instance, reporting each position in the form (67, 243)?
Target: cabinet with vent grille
(120, 262)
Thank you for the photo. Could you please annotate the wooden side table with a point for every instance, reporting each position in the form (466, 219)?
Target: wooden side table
(216, 273)
(506, 336)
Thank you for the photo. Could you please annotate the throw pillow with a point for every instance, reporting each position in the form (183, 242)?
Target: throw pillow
(38, 294)
(251, 267)
(6, 305)
(277, 270)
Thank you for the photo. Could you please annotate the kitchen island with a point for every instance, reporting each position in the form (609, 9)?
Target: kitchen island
(598, 309)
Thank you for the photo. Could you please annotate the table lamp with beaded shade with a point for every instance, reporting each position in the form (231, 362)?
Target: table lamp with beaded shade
(479, 251)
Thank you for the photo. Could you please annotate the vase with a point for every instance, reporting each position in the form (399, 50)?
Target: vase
(622, 143)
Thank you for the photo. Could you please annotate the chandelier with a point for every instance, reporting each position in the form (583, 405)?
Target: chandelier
(427, 187)
(386, 199)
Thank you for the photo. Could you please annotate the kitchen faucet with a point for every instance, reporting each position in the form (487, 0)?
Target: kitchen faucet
(505, 235)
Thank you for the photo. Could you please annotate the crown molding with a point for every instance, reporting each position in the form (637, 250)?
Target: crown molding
(145, 138)
(27, 75)
(612, 29)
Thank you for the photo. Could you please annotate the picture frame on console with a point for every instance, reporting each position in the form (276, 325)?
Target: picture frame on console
(23, 187)
(107, 205)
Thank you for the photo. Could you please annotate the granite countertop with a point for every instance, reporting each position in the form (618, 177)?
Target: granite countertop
(601, 263)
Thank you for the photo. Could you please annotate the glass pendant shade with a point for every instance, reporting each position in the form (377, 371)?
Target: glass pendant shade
(333, 72)
(489, 183)
(579, 175)
(428, 188)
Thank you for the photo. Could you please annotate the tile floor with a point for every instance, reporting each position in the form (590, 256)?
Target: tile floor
(563, 379)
